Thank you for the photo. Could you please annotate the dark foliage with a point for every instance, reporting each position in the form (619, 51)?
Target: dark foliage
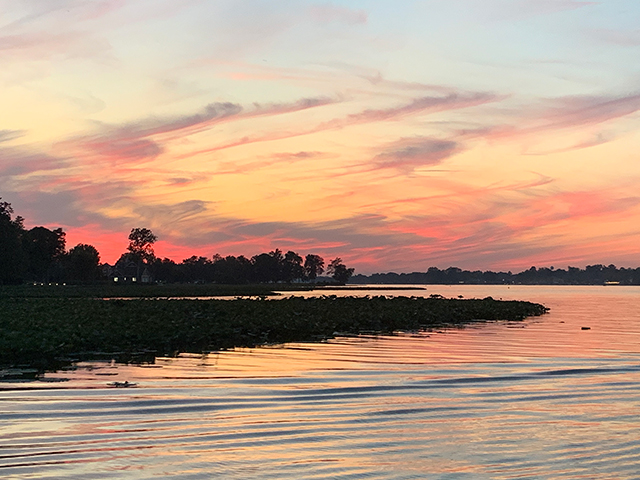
(591, 275)
(313, 266)
(45, 250)
(13, 259)
(82, 264)
(41, 331)
(339, 271)
(272, 267)
(141, 242)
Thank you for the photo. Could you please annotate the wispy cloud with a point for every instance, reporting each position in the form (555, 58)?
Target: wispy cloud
(25, 160)
(599, 139)
(410, 153)
(144, 140)
(420, 105)
(417, 106)
(589, 110)
(8, 135)
(170, 215)
(569, 114)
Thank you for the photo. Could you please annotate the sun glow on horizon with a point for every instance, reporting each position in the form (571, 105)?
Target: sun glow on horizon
(397, 137)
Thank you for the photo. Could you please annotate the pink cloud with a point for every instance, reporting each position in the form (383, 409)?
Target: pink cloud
(588, 110)
(144, 140)
(577, 113)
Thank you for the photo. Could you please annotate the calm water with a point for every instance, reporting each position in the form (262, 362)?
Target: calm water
(539, 399)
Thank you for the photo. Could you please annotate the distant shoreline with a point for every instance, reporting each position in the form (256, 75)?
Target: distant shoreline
(590, 275)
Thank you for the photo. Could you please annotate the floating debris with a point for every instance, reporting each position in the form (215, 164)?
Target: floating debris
(125, 384)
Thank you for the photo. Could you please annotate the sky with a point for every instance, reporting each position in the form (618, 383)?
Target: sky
(397, 135)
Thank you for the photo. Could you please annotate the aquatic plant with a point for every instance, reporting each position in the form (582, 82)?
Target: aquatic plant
(39, 332)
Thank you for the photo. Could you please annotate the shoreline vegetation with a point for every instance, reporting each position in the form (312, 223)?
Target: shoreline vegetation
(47, 333)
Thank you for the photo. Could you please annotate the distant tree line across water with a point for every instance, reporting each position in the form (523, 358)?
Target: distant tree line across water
(39, 255)
(591, 275)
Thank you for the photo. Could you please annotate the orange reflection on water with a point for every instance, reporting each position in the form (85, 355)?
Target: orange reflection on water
(535, 399)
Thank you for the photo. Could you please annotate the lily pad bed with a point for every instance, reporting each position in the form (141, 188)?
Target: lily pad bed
(45, 333)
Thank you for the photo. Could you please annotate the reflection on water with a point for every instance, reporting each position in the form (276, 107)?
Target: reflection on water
(539, 399)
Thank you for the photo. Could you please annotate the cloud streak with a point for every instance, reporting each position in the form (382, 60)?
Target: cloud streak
(410, 153)
(418, 106)
(569, 113)
(144, 140)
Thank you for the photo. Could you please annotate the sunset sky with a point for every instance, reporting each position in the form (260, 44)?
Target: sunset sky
(398, 135)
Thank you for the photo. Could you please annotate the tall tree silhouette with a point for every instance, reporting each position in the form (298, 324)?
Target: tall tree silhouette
(12, 256)
(141, 242)
(232, 270)
(292, 268)
(44, 248)
(198, 269)
(313, 266)
(339, 271)
(267, 267)
(82, 264)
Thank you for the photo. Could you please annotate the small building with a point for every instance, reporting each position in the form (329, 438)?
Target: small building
(124, 273)
(146, 276)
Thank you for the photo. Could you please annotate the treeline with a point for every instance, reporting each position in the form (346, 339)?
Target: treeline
(591, 275)
(139, 264)
(39, 255)
(272, 267)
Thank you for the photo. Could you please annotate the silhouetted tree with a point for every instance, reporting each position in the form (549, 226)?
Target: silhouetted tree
(127, 258)
(140, 249)
(198, 269)
(82, 264)
(141, 242)
(267, 267)
(313, 266)
(339, 271)
(166, 270)
(232, 270)
(44, 248)
(292, 268)
(12, 257)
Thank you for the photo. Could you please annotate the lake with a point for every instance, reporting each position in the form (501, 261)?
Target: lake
(556, 396)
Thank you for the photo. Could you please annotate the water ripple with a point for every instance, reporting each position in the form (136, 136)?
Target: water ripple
(490, 402)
